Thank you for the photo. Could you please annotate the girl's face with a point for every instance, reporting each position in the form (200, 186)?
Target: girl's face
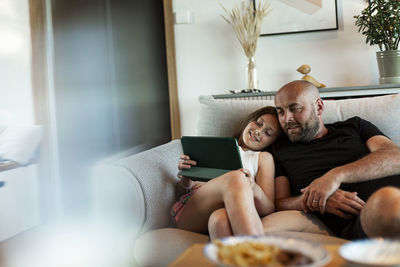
(261, 133)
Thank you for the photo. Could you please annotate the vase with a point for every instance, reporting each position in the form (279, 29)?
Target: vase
(389, 66)
(251, 74)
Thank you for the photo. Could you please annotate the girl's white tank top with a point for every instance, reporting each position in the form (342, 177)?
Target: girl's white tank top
(250, 161)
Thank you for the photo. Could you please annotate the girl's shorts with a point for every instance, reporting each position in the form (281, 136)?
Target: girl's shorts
(178, 207)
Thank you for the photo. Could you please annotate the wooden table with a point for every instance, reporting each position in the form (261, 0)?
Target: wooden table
(193, 257)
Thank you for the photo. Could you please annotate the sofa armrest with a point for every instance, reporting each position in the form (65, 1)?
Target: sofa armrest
(136, 192)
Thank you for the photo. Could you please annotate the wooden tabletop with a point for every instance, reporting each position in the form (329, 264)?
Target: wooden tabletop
(193, 256)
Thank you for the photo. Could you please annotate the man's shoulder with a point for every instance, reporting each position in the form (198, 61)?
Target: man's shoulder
(349, 121)
(282, 141)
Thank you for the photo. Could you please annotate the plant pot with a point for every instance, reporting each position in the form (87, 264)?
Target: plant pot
(389, 66)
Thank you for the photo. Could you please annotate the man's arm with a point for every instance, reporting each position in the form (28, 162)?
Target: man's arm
(382, 161)
(342, 203)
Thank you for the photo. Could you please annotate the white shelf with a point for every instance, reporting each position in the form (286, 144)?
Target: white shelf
(333, 92)
(361, 92)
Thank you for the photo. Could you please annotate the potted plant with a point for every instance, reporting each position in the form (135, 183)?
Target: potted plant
(380, 23)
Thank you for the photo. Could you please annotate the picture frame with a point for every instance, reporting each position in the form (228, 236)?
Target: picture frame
(299, 16)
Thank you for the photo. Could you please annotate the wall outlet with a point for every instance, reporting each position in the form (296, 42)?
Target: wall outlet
(184, 17)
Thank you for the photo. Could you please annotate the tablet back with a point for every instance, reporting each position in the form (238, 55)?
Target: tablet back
(214, 156)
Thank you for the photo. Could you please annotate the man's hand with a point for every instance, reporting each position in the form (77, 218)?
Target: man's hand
(318, 192)
(185, 163)
(344, 204)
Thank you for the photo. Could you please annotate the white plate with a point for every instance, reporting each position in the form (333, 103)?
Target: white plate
(372, 252)
(316, 252)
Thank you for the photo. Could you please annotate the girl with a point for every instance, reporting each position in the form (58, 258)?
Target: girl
(232, 204)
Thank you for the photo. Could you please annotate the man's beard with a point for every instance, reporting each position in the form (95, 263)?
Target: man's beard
(309, 130)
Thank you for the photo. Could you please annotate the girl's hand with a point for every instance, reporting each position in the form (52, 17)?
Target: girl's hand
(250, 179)
(246, 172)
(185, 163)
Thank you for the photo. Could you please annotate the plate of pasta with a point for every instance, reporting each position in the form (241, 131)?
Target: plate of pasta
(270, 251)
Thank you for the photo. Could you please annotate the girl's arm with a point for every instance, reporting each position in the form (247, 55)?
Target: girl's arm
(263, 188)
(283, 197)
(185, 184)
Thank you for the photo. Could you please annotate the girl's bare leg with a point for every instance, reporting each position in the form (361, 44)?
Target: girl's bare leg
(231, 191)
(218, 224)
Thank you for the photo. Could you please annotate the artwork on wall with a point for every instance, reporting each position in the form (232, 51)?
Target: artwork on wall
(297, 16)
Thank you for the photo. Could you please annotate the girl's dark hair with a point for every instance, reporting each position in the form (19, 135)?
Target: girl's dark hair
(253, 117)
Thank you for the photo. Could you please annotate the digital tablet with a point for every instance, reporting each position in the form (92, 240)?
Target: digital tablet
(214, 156)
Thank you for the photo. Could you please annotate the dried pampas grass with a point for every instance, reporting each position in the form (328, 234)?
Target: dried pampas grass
(246, 22)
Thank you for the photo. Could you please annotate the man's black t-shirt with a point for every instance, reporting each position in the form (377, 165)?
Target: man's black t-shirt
(304, 162)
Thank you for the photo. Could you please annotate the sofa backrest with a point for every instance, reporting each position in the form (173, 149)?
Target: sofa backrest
(223, 117)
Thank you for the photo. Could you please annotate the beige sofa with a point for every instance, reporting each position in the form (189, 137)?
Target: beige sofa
(135, 193)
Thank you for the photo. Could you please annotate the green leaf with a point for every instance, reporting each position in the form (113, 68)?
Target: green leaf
(380, 23)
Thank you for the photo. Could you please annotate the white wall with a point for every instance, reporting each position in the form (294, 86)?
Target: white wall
(15, 62)
(210, 59)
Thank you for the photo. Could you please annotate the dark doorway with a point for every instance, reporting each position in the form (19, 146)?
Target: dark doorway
(110, 85)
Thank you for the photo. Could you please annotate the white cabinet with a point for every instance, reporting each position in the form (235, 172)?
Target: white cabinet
(19, 200)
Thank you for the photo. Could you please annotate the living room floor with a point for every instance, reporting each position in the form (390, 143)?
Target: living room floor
(72, 244)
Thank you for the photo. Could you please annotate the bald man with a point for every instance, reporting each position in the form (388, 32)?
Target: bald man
(330, 171)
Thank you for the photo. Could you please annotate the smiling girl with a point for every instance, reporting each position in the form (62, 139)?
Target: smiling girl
(233, 203)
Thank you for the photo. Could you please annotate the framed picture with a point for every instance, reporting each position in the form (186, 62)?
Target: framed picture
(297, 16)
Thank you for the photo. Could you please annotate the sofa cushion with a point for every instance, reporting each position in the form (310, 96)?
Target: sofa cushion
(223, 117)
(155, 171)
(382, 111)
(136, 192)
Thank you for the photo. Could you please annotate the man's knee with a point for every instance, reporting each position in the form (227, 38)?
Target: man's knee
(381, 214)
(218, 224)
(218, 217)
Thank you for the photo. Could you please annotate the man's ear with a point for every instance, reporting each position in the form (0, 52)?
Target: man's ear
(320, 106)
